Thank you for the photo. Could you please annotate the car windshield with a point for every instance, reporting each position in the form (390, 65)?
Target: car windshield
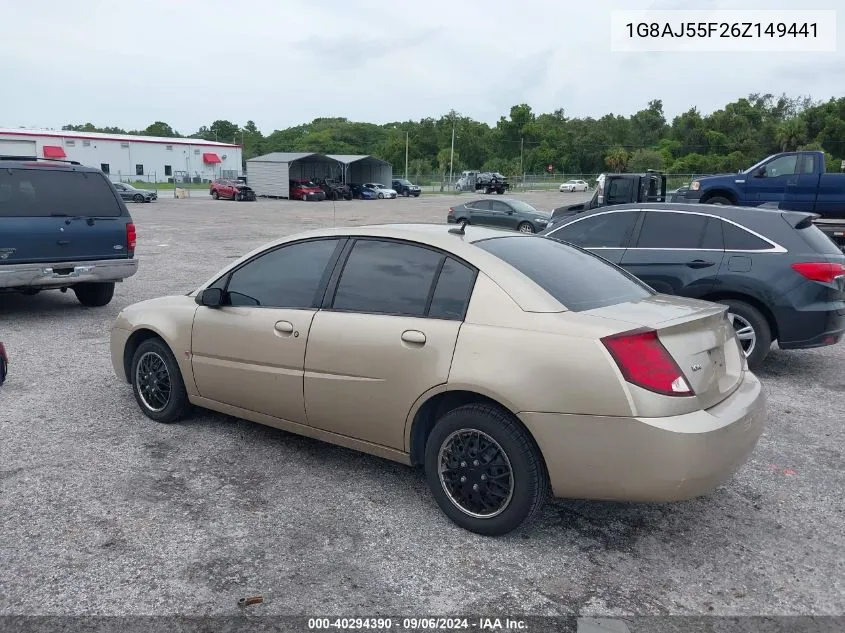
(522, 207)
(576, 278)
(305, 183)
(404, 182)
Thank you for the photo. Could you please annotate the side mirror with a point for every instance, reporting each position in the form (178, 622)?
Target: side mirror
(760, 173)
(210, 298)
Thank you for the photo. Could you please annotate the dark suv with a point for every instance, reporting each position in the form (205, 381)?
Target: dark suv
(62, 225)
(780, 276)
(406, 188)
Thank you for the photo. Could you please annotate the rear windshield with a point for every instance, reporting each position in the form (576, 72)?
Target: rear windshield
(576, 278)
(45, 192)
(819, 241)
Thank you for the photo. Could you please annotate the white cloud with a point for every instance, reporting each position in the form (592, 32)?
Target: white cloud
(281, 63)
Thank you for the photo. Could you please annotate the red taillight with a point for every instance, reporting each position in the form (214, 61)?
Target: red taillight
(819, 271)
(131, 237)
(451, 211)
(644, 362)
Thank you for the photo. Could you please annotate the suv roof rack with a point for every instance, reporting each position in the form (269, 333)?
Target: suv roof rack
(54, 160)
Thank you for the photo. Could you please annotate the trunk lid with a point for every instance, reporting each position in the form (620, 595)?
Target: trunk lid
(696, 334)
(56, 215)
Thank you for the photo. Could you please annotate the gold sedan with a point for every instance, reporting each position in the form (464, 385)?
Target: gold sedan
(510, 366)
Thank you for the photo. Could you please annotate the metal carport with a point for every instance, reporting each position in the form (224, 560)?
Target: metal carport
(363, 168)
(270, 174)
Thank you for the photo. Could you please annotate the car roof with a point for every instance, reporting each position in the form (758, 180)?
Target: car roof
(729, 212)
(521, 289)
(49, 165)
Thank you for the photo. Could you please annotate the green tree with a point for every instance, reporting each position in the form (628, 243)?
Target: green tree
(159, 128)
(644, 159)
(790, 134)
(617, 159)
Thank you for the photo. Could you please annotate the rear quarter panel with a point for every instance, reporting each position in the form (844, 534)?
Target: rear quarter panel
(547, 362)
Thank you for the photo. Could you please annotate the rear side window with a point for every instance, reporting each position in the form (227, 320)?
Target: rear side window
(819, 241)
(738, 239)
(45, 192)
(454, 287)
(577, 279)
(387, 278)
(672, 230)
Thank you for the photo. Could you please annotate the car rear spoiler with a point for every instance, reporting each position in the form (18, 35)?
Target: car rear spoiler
(799, 219)
(795, 219)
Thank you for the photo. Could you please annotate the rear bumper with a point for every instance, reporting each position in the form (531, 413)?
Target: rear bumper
(62, 274)
(650, 459)
(804, 329)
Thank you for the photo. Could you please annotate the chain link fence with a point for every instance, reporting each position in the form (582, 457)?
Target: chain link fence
(439, 183)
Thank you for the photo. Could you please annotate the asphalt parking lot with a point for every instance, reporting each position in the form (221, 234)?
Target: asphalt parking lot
(103, 511)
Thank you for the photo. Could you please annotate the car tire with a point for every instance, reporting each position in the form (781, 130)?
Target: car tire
(94, 295)
(380, 196)
(154, 366)
(525, 227)
(742, 316)
(718, 200)
(215, 195)
(515, 455)
(417, 195)
(138, 197)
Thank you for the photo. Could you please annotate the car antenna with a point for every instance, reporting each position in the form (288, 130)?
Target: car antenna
(461, 230)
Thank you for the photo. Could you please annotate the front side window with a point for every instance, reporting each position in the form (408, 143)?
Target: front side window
(605, 230)
(287, 277)
(783, 166)
(386, 278)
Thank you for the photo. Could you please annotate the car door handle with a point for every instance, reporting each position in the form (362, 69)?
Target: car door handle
(413, 336)
(700, 263)
(284, 327)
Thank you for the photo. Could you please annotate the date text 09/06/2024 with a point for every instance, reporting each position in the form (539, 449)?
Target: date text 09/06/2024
(417, 624)
(721, 29)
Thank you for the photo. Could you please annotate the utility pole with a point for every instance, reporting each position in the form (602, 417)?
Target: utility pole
(521, 150)
(452, 155)
(406, 156)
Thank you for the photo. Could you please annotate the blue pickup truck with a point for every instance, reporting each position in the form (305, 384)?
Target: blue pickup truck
(62, 225)
(794, 181)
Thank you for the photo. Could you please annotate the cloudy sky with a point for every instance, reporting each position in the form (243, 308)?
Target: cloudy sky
(286, 62)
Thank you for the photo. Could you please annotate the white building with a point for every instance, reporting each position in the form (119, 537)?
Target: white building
(129, 158)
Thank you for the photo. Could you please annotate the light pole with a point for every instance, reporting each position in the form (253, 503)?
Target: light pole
(406, 156)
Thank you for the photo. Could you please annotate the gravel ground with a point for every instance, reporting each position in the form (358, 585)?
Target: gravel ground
(105, 512)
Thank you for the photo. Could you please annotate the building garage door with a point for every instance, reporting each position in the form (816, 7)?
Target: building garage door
(17, 148)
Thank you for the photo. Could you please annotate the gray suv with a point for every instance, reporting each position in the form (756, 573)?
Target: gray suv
(780, 276)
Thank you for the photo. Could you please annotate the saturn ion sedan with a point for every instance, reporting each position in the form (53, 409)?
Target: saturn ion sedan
(510, 366)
